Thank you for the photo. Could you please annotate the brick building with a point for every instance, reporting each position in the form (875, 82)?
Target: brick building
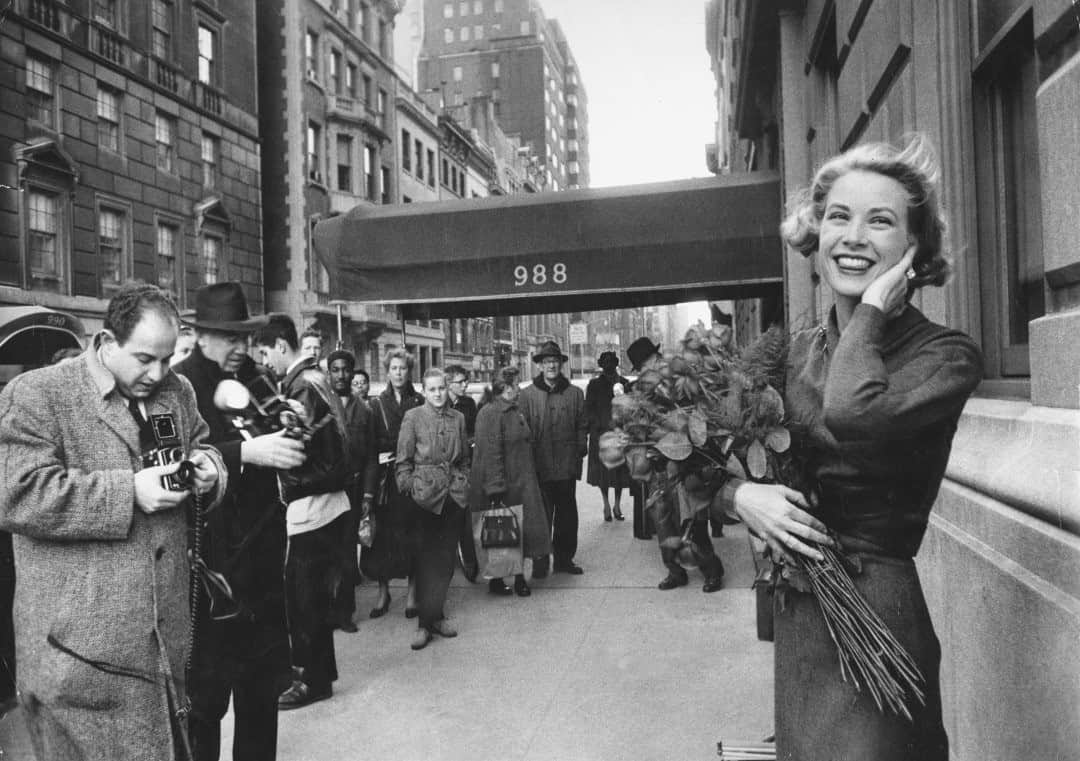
(128, 149)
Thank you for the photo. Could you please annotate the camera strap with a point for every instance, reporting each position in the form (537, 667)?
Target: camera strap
(146, 432)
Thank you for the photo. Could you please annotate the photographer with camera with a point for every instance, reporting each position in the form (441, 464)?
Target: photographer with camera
(242, 646)
(101, 608)
(317, 511)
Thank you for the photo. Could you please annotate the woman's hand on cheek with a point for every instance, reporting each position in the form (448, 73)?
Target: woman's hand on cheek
(889, 290)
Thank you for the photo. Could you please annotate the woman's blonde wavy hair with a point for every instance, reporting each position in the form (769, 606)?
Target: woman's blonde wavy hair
(915, 166)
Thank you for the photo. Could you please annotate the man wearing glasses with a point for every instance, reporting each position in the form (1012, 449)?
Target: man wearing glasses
(457, 381)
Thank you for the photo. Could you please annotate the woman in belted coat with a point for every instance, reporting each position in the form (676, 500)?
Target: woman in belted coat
(503, 471)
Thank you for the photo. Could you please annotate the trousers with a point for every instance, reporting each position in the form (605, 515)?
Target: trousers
(439, 535)
(560, 503)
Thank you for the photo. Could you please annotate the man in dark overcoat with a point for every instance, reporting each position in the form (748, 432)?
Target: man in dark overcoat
(245, 656)
(101, 608)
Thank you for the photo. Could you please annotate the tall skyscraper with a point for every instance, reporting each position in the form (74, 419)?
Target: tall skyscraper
(509, 51)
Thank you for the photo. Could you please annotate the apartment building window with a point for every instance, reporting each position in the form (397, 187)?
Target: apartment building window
(431, 168)
(108, 111)
(448, 10)
(344, 163)
(463, 8)
(477, 7)
(161, 22)
(384, 116)
(40, 91)
(208, 55)
(165, 136)
(384, 39)
(463, 34)
(478, 32)
(335, 72)
(369, 90)
(458, 74)
(44, 242)
(498, 6)
(168, 269)
(311, 55)
(1007, 192)
(406, 144)
(448, 35)
(350, 80)
(419, 147)
(314, 153)
(365, 22)
(113, 248)
(210, 151)
(444, 178)
(459, 99)
(526, 27)
(107, 12)
(495, 69)
(210, 258)
(385, 184)
(369, 172)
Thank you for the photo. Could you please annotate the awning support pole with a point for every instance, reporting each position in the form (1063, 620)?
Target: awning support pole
(401, 313)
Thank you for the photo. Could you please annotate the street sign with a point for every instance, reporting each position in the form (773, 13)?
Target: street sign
(579, 333)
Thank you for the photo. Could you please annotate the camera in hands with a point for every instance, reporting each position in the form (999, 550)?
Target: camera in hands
(168, 450)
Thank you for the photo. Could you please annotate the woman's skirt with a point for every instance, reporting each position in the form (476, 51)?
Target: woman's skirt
(397, 538)
(820, 716)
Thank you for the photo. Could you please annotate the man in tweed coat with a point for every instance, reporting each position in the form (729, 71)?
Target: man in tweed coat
(101, 608)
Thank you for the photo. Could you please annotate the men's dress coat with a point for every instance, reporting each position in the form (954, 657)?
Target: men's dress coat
(101, 608)
(556, 416)
(503, 464)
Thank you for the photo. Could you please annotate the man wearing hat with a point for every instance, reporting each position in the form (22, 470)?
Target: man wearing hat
(245, 656)
(645, 355)
(555, 412)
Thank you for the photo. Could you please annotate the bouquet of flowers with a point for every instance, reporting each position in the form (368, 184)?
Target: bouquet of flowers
(711, 413)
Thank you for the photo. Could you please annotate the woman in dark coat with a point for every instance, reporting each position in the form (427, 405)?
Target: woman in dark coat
(503, 471)
(393, 552)
(598, 395)
(873, 397)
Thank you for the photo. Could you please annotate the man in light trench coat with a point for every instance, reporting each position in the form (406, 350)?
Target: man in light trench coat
(101, 606)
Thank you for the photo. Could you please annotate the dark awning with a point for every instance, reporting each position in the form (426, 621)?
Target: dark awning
(30, 335)
(555, 252)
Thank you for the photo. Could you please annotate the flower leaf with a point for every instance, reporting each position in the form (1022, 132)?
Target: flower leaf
(675, 446)
(698, 428)
(778, 439)
(734, 467)
(756, 459)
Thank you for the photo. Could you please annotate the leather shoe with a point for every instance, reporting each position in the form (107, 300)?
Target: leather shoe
(521, 587)
(540, 567)
(443, 629)
(346, 625)
(713, 584)
(569, 567)
(420, 639)
(411, 612)
(300, 695)
(498, 587)
(380, 610)
(618, 514)
(671, 581)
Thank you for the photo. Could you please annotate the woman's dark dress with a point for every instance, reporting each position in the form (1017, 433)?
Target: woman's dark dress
(598, 396)
(397, 519)
(875, 411)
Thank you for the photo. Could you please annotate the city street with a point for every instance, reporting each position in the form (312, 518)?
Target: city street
(600, 666)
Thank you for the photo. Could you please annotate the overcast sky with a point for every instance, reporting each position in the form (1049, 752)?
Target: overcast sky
(646, 72)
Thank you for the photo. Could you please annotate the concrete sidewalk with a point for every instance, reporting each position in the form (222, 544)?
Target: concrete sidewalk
(600, 666)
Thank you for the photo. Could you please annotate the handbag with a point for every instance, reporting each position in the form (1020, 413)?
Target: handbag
(500, 529)
(365, 532)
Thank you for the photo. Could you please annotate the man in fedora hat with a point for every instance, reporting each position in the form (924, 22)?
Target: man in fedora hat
(645, 356)
(555, 412)
(246, 656)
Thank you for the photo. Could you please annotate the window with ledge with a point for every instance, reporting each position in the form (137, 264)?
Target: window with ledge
(344, 163)
(406, 157)
(106, 13)
(431, 168)
(384, 39)
(419, 149)
(458, 74)
(161, 35)
(495, 69)
(45, 240)
(463, 8)
(335, 72)
(165, 136)
(211, 254)
(370, 157)
(208, 55)
(498, 6)
(463, 34)
(448, 10)
(526, 27)
(314, 153)
(478, 32)
(108, 111)
(114, 248)
(385, 184)
(210, 151)
(40, 91)
(448, 35)
(168, 257)
(311, 55)
(350, 80)
(1007, 191)
(384, 116)
(477, 7)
